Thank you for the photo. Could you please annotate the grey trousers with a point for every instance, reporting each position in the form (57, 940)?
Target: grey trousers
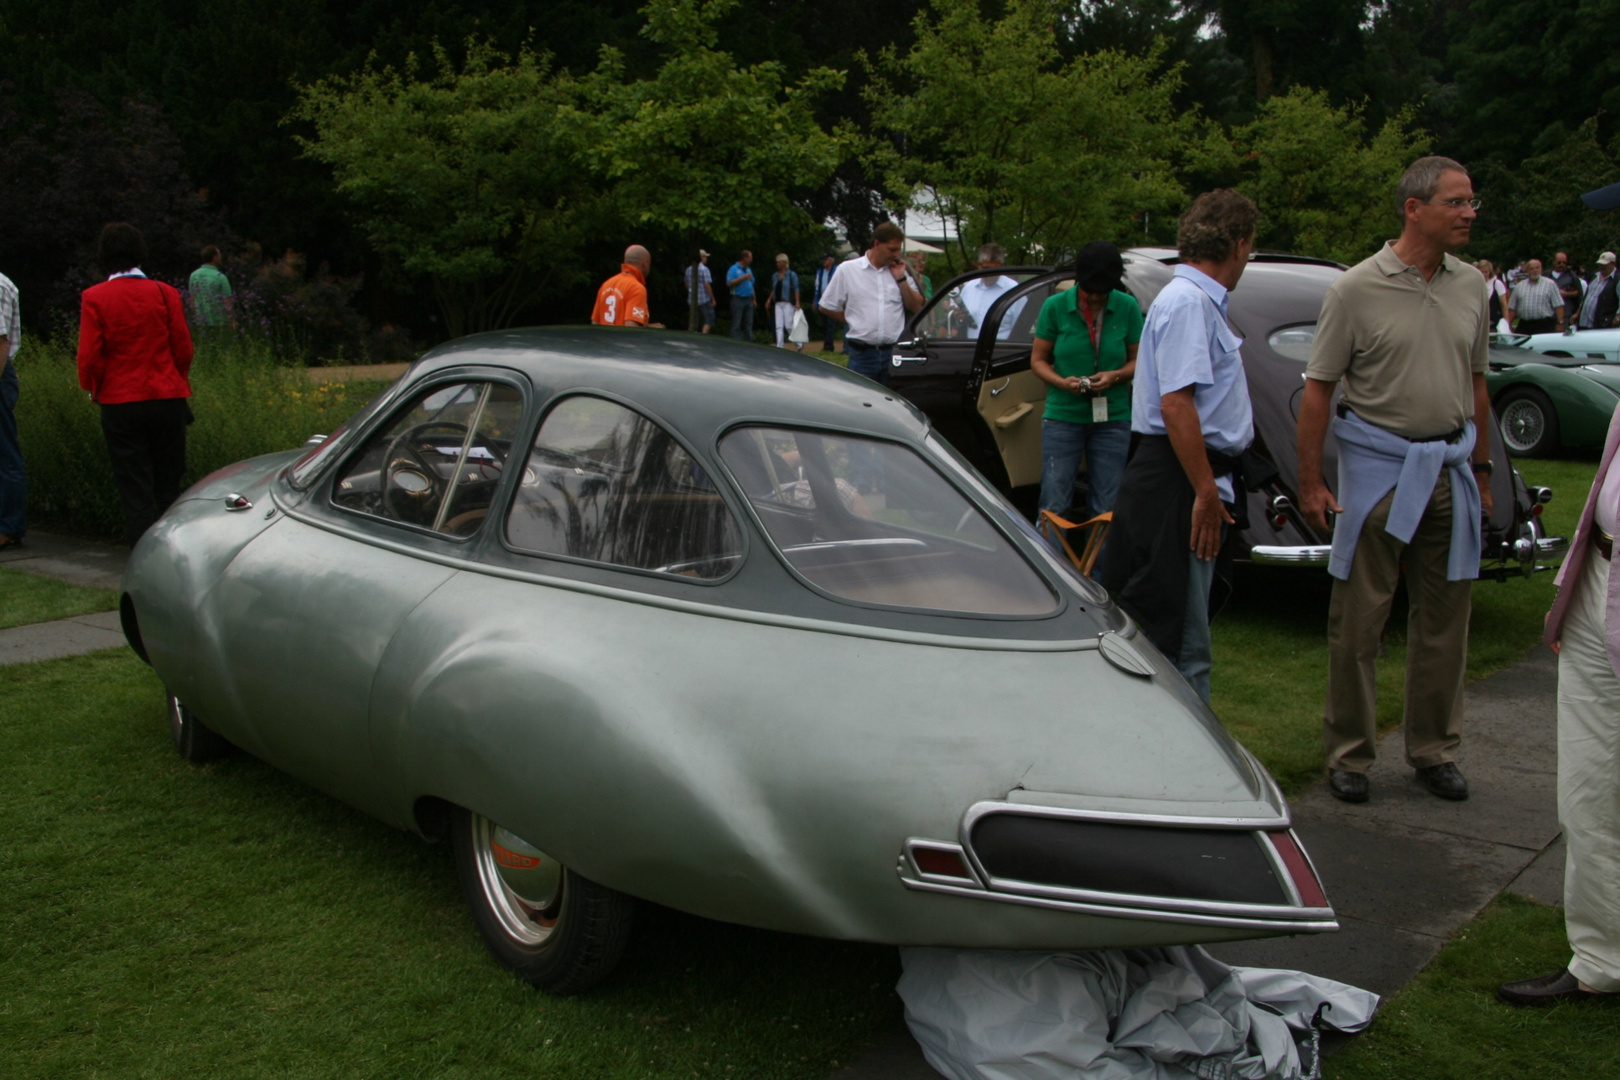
(1436, 640)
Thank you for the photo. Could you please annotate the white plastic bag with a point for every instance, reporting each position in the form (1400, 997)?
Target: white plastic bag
(801, 328)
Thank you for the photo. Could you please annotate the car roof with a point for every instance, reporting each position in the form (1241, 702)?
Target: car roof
(696, 383)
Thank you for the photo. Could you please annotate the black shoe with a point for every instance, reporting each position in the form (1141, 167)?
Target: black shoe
(1546, 990)
(1348, 786)
(1444, 780)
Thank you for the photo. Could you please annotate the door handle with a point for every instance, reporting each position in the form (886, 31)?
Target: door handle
(997, 391)
(1012, 416)
(895, 359)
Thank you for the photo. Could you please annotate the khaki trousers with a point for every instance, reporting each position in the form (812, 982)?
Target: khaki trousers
(1436, 640)
(1589, 781)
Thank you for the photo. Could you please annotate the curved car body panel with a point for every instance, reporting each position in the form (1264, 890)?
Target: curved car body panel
(745, 748)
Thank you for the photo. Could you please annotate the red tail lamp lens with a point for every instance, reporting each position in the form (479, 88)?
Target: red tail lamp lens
(1299, 868)
(943, 863)
(1535, 511)
(1279, 521)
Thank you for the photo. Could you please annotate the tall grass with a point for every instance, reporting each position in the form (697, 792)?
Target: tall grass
(247, 401)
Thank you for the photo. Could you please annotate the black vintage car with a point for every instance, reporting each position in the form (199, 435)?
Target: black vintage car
(964, 361)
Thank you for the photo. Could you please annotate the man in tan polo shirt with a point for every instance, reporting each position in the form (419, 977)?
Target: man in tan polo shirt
(1406, 332)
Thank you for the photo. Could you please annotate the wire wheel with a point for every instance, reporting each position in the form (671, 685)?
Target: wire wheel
(1528, 422)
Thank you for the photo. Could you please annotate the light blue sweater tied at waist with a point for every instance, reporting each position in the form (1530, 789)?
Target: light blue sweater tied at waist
(1372, 461)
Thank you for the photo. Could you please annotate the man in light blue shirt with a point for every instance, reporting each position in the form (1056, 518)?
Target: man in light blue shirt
(740, 284)
(1190, 407)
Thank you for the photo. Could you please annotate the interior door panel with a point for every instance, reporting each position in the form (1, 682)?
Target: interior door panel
(1011, 407)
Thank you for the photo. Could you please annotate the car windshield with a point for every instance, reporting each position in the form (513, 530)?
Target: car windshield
(872, 521)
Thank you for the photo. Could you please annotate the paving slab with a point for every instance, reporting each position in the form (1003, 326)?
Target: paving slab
(63, 637)
(68, 558)
(1405, 870)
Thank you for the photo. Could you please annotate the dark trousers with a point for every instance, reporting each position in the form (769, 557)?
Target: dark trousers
(742, 318)
(147, 443)
(1538, 326)
(12, 495)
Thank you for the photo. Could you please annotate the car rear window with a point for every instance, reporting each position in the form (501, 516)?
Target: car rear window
(872, 521)
(605, 484)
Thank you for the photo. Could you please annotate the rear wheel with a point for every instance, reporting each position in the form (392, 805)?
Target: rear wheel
(546, 923)
(194, 740)
(1528, 421)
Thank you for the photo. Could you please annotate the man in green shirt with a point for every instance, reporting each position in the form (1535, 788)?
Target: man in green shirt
(210, 289)
(1085, 351)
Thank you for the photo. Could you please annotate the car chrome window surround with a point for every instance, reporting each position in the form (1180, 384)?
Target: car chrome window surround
(381, 419)
(921, 452)
(532, 432)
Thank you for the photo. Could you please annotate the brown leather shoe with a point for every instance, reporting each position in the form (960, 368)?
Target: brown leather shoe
(1545, 990)
(1444, 780)
(1348, 786)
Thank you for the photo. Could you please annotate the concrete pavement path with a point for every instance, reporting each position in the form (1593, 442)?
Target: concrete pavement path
(78, 562)
(1405, 870)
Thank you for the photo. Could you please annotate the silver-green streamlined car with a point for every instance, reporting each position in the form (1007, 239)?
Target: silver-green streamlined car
(634, 614)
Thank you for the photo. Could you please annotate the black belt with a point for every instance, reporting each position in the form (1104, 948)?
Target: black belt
(859, 344)
(1604, 544)
(1449, 437)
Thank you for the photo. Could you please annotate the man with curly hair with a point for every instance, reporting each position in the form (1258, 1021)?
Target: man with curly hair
(1190, 409)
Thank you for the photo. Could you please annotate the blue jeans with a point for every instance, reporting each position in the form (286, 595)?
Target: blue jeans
(873, 361)
(742, 318)
(1104, 445)
(829, 327)
(1197, 649)
(12, 521)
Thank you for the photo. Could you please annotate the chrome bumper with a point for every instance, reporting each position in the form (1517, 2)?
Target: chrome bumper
(1281, 555)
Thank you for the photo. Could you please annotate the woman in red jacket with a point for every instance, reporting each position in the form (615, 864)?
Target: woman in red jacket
(134, 355)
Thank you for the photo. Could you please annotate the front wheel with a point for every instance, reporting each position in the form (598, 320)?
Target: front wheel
(551, 927)
(1528, 421)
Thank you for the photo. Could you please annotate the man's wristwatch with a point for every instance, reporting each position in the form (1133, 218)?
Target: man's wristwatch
(1486, 467)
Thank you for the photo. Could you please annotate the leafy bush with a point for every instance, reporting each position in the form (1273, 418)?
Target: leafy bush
(246, 402)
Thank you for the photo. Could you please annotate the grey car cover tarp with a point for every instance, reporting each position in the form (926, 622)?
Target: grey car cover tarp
(1118, 1014)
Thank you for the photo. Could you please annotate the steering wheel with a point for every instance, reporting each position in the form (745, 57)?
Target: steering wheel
(404, 455)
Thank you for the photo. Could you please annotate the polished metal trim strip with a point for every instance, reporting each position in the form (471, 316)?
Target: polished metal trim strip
(910, 860)
(1294, 925)
(714, 611)
(1283, 555)
(1180, 821)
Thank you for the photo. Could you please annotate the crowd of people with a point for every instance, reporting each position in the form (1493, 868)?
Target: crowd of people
(1527, 299)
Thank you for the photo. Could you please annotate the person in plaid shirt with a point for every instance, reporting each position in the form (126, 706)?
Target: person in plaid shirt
(1535, 306)
(12, 524)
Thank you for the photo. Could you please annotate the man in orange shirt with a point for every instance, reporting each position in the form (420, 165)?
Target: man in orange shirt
(622, 299)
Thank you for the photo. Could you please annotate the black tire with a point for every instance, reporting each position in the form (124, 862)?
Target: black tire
(1528, 422)
(194, 740)
(565, 936)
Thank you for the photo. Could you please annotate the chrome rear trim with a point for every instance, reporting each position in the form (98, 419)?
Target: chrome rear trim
(1281, 555)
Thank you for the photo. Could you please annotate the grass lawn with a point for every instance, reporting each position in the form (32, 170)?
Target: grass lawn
(158, 919)
(1270, 671)
(29, 598)
(1448, 1025)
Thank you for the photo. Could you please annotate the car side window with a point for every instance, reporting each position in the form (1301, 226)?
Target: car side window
(438, 463)
(959, 314)
(872, 521)
(605, 484)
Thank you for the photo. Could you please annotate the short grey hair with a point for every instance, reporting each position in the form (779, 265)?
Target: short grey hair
(992, 253)
(1421, 180)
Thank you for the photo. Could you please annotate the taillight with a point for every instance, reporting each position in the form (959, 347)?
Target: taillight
(1299, 869)
(943, 863)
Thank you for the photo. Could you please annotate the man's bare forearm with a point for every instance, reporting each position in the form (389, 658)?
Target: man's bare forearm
(1186, 431)
(1312, 429)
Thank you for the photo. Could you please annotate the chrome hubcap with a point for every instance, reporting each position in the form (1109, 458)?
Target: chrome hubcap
(1523, 425)
(523, 884)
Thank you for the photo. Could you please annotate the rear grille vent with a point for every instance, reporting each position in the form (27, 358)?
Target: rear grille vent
(1222, 865)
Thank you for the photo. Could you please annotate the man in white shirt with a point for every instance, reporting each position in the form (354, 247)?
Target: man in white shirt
(872, 295)
(978, 294)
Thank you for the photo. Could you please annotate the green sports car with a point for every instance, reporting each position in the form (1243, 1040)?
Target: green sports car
(1554, 391)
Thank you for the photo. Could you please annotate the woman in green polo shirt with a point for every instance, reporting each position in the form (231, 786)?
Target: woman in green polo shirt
(1085, 351)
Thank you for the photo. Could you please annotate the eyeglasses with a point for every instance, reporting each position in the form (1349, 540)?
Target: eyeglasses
(1458, 204)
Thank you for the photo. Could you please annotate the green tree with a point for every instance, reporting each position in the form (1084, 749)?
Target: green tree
(467, 178)
(1008, 141)
(705, 149)
(1533, 208)
(1323, 186)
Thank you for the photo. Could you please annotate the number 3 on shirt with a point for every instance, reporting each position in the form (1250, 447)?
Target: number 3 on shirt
(611, 315)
